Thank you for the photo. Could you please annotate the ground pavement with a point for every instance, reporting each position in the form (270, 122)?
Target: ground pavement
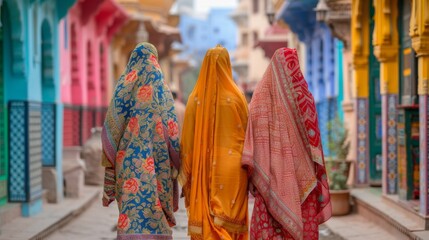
(98, 222)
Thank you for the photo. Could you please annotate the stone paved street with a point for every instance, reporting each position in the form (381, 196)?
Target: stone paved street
(99, 223)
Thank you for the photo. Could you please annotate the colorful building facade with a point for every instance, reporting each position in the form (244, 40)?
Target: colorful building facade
(320, 59)
(30, 146)
(86, 83)
(150, 21)
(402, 52)
(257, 41)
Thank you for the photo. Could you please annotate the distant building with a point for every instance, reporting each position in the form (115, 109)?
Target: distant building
(184, 5)
(200, 33)
(257, 42)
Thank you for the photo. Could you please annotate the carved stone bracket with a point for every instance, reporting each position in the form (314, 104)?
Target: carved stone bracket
(419, 27)
(339, 20)
(385, 34)
(17, 43)
(360, 30)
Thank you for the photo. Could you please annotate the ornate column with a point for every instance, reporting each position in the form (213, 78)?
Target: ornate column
(419, 32)
(386, 50)
(360, 54)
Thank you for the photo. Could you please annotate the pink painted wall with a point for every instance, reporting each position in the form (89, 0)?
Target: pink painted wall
(81, 74)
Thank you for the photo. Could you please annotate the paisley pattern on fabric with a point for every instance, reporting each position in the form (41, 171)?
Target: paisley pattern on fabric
(141, 149)
(264, 226)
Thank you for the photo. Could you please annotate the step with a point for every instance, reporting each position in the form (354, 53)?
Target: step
(388, 213)
(52, 217)
(358, 227)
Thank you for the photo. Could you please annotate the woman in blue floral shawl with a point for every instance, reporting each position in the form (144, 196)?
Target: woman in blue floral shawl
(141, 150)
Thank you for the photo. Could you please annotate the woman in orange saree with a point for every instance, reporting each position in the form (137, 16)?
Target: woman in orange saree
(214, 184)
(283, 155)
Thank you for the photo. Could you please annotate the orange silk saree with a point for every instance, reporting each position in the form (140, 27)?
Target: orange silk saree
(214, 184)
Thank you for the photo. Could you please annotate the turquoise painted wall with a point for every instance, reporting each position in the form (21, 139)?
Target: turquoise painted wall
(15, 62)
(339, 77)
(23, 65)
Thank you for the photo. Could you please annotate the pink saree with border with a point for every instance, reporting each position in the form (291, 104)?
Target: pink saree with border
(283, 155)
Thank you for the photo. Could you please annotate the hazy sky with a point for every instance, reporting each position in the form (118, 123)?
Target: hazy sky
(205, 5)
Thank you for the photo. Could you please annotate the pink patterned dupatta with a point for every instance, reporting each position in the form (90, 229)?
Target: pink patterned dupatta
(283, 151)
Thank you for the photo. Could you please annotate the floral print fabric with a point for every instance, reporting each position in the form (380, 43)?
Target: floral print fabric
(141, 149)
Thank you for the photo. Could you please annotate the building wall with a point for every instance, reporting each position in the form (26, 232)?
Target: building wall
(31, 77)
(86, 84)
(87, 64)
(320, 69)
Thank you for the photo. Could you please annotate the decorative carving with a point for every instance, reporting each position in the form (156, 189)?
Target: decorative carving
(338, 20)
(17, 41)
(385, 34)
(419, 26)
(360, 32)
(419, 32)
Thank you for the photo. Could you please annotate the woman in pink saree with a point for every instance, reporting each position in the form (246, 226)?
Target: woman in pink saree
(283, 155)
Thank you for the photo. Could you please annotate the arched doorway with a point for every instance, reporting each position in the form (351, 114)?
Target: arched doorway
(89, 110)
(103, 76)
(72, 121)
(3, 159)
(103, 87)
(48, 84)
(48, 96)
(90, 75)
(408, 135)
(75, 78)
(375, 120)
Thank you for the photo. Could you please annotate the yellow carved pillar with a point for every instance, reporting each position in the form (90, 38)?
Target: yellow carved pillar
(419, 32)
(385, 42)
(360, 52)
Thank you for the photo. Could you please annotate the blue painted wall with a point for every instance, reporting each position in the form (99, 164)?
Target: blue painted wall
(15, 59)
(200, 34)
(321, 58)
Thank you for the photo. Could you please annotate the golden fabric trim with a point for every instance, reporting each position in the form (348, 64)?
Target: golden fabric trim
(195, 228)
(232, 226)
(182, 178)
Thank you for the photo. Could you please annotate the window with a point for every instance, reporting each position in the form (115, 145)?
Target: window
(245, 39)
(255, 37)
(255, 6)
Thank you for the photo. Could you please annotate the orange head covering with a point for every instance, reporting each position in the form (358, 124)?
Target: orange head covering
(214, 184)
